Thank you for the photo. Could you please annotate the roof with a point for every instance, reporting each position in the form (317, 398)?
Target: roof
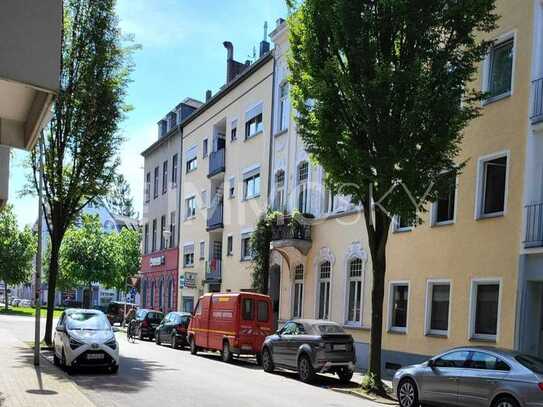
(173, 131)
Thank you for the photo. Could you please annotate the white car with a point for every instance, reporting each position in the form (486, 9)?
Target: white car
(84, 337)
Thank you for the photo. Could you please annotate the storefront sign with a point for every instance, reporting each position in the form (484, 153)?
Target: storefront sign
(157, 261)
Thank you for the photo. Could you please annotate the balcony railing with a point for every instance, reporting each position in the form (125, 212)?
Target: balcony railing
(289, 229)
(534, 225)
(215, 217)
(537, 106)
(214, 271)
(216, 162)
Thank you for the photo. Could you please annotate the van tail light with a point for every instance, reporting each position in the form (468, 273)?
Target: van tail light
(145, 323)
(540, 385)
(181, 329)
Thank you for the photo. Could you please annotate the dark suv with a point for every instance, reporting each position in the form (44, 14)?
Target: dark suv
(173, 329)
(310, 347)
(146, 321)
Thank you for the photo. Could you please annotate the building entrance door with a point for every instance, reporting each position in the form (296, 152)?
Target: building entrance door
(275, 292)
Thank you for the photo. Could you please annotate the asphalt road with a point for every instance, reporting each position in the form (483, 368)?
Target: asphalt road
(159, 376)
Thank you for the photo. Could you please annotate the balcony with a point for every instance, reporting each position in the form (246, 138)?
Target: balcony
(534, 225)
(214, 271)
(215, 217)
(216, 163)
(537, 106)
(290, 233)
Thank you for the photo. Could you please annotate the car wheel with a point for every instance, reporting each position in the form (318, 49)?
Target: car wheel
(192, 344)
(345, 375)
(140, 336)
(505, 401)
(305, 369)
(173, 342)
(259, 358)
(226, 353)
(267, 361)
(114, 369)
(157, 339)
(56, 360)
(408, 394)
(67, 369)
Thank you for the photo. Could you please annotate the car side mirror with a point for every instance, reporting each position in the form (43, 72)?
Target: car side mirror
(431, 363)
(61, 328)
(115, 329)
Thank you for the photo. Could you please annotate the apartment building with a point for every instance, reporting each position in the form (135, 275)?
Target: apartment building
(161, 201)
(473, 272)
(225, 176)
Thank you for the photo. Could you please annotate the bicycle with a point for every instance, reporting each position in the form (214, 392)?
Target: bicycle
(131, 331)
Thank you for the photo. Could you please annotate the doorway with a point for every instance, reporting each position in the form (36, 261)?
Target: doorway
(275, 292)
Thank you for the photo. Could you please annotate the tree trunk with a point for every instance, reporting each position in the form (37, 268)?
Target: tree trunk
(87, 296)
(6, 296)
(51, 287)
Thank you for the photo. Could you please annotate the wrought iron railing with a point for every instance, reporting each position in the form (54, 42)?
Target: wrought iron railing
(215, 217)
(216, 162)
(537, 104)
(534, 225)
(287, 228)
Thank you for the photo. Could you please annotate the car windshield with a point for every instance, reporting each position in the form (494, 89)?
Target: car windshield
(329, 329)
(531, 362)
(155, 316)
(90, 321)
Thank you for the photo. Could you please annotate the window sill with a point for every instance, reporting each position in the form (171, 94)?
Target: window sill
(436, 335)
(496, 98)
(477, 338)
(444, 223)
(483, 216)
(188, 266)
(403, 230)
(252, 136)
(248, 198)
(281, 132)
(188, 172)
(356, 327)
(190, 218)
(397, 331)
(244, 259)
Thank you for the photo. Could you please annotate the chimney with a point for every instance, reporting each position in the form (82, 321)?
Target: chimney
(264, 44)
(279, 21)
(208, 95)
(233, 68)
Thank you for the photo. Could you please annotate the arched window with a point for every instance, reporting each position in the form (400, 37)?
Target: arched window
(303, 187)
(279, 200)
(170, 294)
(152, 300)
(298, 291)
(354, 286)
(324, 290)
(144, 294)
(160, 294)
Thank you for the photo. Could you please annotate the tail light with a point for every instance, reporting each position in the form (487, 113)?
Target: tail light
(181, 329)
(540, 385)
(145, 323)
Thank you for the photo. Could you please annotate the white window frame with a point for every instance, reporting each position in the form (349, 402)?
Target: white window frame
(433, 212)
(481, 180)
(296, 282)
(246, 179)
(485, 77)
(231, 187)
(398, 228)
(283, 109)
(202, 249)
(475, 283)
(329, 281)
(348, 280)
(391, 286)
(205, 199)
(231, 238)
(187, 244)
(192, 215)
(428, 307)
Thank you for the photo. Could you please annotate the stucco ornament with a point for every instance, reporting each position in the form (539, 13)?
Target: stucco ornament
(325, 254)
(355, 250)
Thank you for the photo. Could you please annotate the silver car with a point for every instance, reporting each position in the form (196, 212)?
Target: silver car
(474, 377)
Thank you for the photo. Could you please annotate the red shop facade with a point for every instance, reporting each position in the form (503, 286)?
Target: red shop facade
(159, 279)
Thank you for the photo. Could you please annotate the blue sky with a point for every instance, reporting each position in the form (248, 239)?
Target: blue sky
(182, 55)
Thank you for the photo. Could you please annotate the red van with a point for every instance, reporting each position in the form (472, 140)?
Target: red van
(232, 323)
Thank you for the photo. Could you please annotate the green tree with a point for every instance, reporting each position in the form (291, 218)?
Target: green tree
(17, 250)
(378, 85)
(119, 199)
(127, 243)
(82, 138)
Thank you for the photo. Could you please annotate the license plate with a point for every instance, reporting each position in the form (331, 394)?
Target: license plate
(95, 356)
(340, 347)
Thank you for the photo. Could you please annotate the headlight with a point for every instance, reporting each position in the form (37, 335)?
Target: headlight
(74, 344)
(112, 344)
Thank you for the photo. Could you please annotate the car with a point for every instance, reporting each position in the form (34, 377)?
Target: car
(15, 302)
(173, 329)
(25, 303)
(309, 347)
(472, 376)
(233, 323)
(84, 337)
(115, 311)
(147, 320)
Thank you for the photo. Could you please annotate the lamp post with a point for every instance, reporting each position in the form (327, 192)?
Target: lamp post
(37, 276)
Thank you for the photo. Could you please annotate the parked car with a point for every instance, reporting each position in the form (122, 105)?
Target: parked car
(25, 303)
(173, 329)
(84, 337)
(15, 302)
(310, 347)
(232, 323)
(115, 311)
(473, 376)
(147, 321)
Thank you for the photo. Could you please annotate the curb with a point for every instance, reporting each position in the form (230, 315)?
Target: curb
(364, 396)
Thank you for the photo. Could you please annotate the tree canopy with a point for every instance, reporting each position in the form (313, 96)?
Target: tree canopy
(119, 199)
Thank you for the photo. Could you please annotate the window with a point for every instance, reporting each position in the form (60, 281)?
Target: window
(170, 295)
(147, 187)
(485, 361)
(493, 186)
(456, 359)
(254, 126)
(190, 205)
(329, 200)
(283, 106)
(202, 249)
(153, 242)
(246, 246)
(174, 171)
(146, 239)
(444, 206)
(204, 148)
(164, 177)
(153, 288)
(160, 293)
(262, 311)
(500, 69)
(155, 185)
(234, 131)
(437, 319)
(191, 165)
(292, 328)
(279, 200)
(485, 308)
(188, 255)
(297, 311)
(229, 245)
(162, 230)
(354, 307)
(303, 177)
(231, 187)
(247, 309)
(324, 290)
(404, 223)
(399, 298)
(172, 229)
(251, 186)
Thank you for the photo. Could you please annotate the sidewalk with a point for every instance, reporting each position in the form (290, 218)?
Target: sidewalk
(24, 385)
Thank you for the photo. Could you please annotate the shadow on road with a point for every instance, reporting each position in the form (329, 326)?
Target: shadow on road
(25, 357)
